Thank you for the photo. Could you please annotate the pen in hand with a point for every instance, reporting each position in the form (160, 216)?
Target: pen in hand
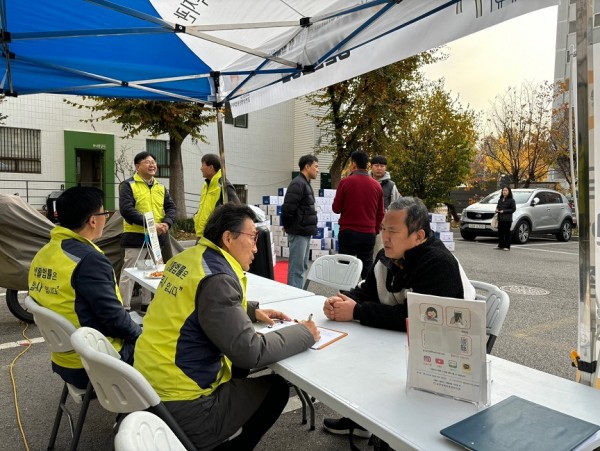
(309, 317)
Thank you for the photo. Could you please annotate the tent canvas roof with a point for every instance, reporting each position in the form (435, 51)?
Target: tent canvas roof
(253, 54)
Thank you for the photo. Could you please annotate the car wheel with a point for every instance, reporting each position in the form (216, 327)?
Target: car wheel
(521, 232)
(14, 301)
(566, 231)
(469, 236)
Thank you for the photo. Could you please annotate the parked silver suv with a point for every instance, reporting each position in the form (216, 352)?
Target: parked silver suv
(539, 211)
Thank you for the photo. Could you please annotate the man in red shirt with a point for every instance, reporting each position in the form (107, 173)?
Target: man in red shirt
(359, 201)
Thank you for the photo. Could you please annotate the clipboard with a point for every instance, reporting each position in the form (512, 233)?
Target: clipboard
(328, 336)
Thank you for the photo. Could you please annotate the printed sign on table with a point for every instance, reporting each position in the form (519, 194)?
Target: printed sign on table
(153, 236)
(447, 350)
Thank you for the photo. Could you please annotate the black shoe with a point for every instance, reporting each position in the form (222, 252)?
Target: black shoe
(344, 426)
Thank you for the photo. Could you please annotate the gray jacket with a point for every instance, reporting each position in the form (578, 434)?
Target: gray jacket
(390, 191)
(229, 326)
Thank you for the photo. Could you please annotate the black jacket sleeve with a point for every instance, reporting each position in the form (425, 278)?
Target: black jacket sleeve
(170, 209)
(127, 205)
(96, 302)
(291, 204)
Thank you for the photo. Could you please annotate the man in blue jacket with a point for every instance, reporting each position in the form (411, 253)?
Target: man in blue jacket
(299, 218)
(71, 276)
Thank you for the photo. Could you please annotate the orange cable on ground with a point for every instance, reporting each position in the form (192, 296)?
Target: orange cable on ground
(14, 385)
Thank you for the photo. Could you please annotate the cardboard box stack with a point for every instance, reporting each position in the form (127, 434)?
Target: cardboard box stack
(324, 242)
(441, 228)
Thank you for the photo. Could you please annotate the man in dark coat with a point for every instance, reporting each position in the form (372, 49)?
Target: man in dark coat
(299, 218)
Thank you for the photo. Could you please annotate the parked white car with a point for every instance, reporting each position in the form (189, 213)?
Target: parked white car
(539, 212)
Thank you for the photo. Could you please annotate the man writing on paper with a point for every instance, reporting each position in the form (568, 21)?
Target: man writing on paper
(141, 194)
(412, 259)
(198, 337)
(71, 276)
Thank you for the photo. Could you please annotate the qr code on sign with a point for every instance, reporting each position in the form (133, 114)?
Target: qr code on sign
(465, 345)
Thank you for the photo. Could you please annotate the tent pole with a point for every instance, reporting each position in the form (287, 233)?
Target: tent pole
(587, 198)
(220, 107)
(573, 113)
(222, 152)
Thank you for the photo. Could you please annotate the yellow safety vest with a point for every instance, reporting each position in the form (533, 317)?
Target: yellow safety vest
(146, 199)
(50, 285)
(173, 353)
(211, 193)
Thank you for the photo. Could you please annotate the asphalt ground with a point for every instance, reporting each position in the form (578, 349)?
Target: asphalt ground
(539, 331)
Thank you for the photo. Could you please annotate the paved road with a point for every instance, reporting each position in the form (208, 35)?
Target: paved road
(540, 330)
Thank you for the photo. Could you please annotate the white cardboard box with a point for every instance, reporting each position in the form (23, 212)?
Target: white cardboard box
(315, 244)
(440, 226)
(437, 217)
(275, 220)
(285, 252)
(317, 253)
(444, 236)
(283, 241)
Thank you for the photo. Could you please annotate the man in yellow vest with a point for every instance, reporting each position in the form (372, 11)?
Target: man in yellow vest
(212, 191)
(71, 276)
(141, 194)
(198, 339)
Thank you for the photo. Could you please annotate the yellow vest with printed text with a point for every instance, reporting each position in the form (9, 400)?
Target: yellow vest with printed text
(50, 286)
(173, 353)
(146, 199)
(211, 193)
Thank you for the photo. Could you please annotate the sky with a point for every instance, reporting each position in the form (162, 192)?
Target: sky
(485, 64)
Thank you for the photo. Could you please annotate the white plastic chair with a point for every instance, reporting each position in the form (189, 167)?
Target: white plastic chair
(497, 303)
(120, 388)
(57, 331)
(339, 271)
(144, 431)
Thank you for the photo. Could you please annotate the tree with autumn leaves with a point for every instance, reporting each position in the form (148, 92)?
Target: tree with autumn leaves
(526, 133)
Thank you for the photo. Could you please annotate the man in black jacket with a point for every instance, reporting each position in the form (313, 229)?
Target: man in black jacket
(412, 259)
(299, 218)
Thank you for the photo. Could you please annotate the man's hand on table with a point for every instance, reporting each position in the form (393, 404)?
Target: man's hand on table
(269, 315)
(339, 308)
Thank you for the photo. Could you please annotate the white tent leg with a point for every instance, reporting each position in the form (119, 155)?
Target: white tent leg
(587, 334)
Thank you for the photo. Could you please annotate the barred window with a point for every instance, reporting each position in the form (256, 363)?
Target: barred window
(20, 150)
(240, 121)
(160, 149)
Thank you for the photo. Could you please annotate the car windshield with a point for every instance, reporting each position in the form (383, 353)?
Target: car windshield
(520, 197)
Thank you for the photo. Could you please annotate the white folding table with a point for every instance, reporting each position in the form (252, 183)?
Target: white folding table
(260, 289)
(363, 377)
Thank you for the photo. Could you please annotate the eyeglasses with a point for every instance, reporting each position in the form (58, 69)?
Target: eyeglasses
(106, 214)
(253, 235)
(147, 162)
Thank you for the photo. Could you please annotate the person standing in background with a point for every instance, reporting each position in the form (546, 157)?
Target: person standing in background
(359, 201)
(299, 218)
(390, 191)
(212, 191)
(138, 195)
(505, 209)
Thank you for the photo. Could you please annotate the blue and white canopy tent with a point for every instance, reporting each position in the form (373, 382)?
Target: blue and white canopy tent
(254, 54)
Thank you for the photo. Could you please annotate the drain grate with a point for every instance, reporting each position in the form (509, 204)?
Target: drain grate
(522, 289)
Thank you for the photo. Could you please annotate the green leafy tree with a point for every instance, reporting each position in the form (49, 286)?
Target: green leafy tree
(361, 113)
(433, 148)
(176, 119)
